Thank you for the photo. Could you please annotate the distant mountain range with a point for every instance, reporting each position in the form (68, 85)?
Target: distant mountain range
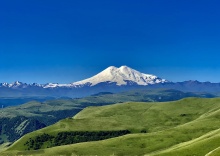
(112, 79)
(120, 76)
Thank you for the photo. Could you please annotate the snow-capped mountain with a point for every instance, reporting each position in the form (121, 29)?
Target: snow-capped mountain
(112, 79)
(13, 85)
(121, 76)
(18, 84)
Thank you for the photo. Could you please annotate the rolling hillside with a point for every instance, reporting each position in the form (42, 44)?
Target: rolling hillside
(19, 120)
(185, 127)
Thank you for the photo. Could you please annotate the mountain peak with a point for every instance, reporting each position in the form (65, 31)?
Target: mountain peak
(124, 66)
(111, 67)
(17, 83)
(121, 76)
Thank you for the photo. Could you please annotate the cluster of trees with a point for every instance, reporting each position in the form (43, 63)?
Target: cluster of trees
(38, 142)
(65, 138)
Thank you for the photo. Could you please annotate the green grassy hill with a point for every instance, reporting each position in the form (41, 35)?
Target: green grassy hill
(22, 119)
(185, 127)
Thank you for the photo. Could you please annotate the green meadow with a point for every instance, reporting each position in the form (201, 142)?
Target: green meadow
(188, 127)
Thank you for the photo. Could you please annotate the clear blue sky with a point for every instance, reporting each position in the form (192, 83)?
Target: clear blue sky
(65, 41)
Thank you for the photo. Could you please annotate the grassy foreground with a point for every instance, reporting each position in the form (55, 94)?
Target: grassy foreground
(185, 127)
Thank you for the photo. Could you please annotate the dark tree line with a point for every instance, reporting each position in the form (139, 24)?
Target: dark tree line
(65, 138)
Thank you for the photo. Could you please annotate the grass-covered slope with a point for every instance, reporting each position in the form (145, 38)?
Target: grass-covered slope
(185, 127)
(40, 114)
